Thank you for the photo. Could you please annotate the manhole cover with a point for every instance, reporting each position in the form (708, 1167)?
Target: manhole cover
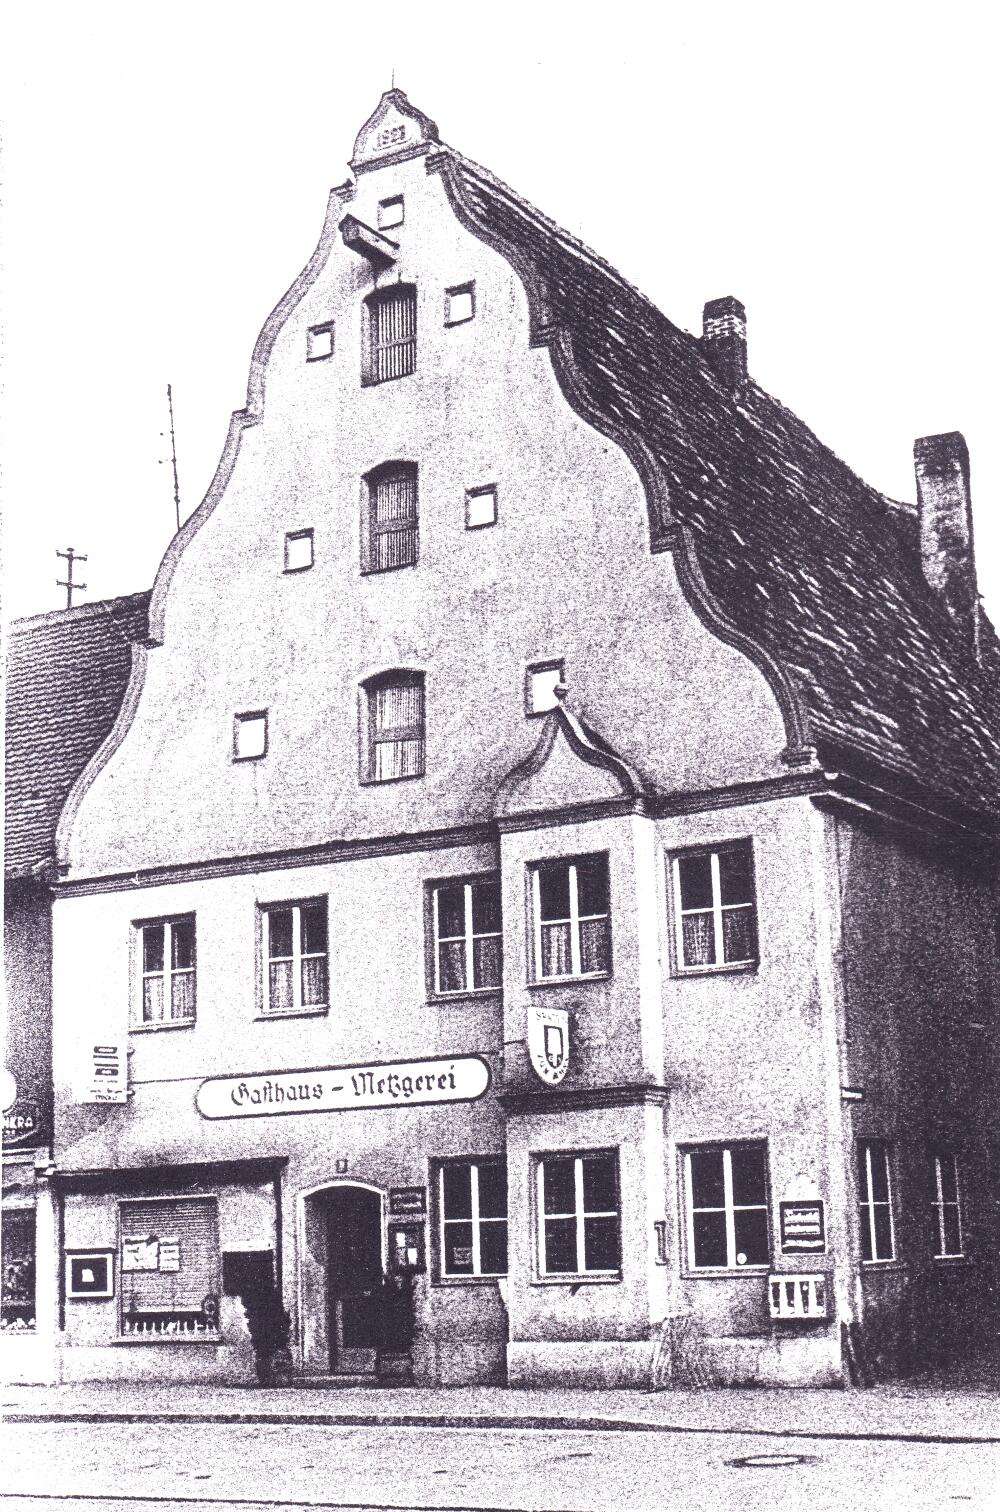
(770, 1461)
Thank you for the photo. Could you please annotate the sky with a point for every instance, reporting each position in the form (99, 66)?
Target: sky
(164, 176)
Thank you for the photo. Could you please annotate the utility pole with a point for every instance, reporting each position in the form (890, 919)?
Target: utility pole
(173, 456)
(70, 556)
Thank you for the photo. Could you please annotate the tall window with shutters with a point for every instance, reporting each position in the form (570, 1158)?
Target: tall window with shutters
(169, 1268)
(394, 729)
(390, 348)
(390, 531)
(165, 987)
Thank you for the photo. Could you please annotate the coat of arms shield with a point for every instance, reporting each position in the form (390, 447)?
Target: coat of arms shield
(548, 1043)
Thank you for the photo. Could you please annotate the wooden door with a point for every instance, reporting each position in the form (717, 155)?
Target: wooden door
(354, 1278)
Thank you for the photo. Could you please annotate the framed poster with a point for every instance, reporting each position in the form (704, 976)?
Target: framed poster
(90, 1275)
(803, 1229)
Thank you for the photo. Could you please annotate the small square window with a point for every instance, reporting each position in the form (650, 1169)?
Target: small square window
(250, 736)
(542, 681)
(89, 1275)
(459, 304)
(298, 550)
(390, 213)
(480, 507)
(319, 342)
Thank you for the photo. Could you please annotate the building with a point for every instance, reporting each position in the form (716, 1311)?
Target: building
(546, 851)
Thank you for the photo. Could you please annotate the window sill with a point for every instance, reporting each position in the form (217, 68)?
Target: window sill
(381, 782)
(162, 1028)
(470, 992)
(885, 1265)
(382, 571)
(592, 1279)
(727, 968)
(290, 1013)
(570, 981)
(447, 1281)
(950, 1262)
(188, 1342)
(725, 1273)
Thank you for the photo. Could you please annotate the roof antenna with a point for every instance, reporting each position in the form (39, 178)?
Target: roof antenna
(70, 556)
(173, 455)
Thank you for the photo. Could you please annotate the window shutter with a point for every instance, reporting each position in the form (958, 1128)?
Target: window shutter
(192, 1225)
(394, 334)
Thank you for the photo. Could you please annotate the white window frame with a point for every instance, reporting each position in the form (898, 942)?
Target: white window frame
(730, 1208)
(579, 1213)
(574, 921)
(475, 1220)
(167, 975)
(469, 936)
(248, 717)
(717, 910)
(321, 342)
(292, 537)
(296, 958)
(867, 1203)
(485, 491)
(553, 664)
(450, 294)
(939, 1204)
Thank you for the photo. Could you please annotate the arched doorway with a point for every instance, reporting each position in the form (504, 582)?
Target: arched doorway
(341, 1278)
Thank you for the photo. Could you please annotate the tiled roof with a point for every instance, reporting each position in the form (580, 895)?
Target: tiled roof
(815, 565)
(66, 678)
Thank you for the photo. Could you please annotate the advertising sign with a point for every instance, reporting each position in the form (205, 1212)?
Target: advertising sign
(802, 1227)
(548, 1043)
(406, 1202)
(22, 1123)
(104, 1076)
(338, 1089)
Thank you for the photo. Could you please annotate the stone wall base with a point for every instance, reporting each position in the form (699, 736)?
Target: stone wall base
(452, 1364)
(590, 1364)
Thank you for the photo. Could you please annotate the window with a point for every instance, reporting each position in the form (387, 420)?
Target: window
(390, 533)
(714, 908)
(394, 707)
(946, 1207)
(319, 342)
(167, 949)
(543, 678)
(467, 935)
(875, 1200)
(250, 736)
(390, 212)
(391, 335)
(298, 550)
(727, 1207)
(459, 304)
(578, 1214)
(480, 507)
(572, 925)
(169, 1267)
(295, 949)
(17, 1275)
(473, 1205)
(89, 1274)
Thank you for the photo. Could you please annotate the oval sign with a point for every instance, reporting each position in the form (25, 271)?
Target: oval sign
(338, 1089)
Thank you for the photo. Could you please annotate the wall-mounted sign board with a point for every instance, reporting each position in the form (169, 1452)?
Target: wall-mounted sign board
(803, 1227)
(338, 1089)
(408, 1202)
(89, 1275)
(104, 1073)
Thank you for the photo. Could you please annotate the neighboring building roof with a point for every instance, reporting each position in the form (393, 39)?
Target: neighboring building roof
(66, 677)
(815, 565)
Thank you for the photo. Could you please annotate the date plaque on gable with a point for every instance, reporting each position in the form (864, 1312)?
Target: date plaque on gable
(395, 128)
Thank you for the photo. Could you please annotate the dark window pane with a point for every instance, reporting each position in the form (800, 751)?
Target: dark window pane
(880, 1173)
(314, 986)
(182, 995)
(739, 934)
(560, 1191)
(592, 885)
(451, 966)
(735, 875)
(698, 935)
(487, 962)
(493, 1191)
(883, 1233)
(749, 1179)
(600, 1244)
(182, 947)
(451, 911)
(493, 1249)
(457, 1188)
(709, 1238)
(152, 947)
(486, 907)
(707, 1186)
(458, 1249)
(866, 1237)
(560, 1245)
(279, 922)
(696, 881)
(600, 1184)
(949, 1181)
(280, 999)
(553, 891)
(751, 1237)
(952, 1231)
(314, 927)
(595, 945)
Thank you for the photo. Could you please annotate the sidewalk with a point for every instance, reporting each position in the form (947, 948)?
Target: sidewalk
(903, 1411)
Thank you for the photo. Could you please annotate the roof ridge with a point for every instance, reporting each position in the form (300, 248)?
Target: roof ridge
(76, 611)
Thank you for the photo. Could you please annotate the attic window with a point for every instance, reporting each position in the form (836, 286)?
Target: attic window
(480, 507)
(319, 342)
(250, 736)
(540, 687)
(390, 213)
(298, 550)
(459, 304)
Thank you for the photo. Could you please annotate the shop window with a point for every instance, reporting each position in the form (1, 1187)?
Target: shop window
(319, 342)
(166, 990)
(468, 940)
(298, 550)
(459, 304)
(17, 1292)
(727, 1213)
(393, 747)
(579, 1215)
(714, 908)
(390, 348)
(169, 1268)
(390, 527)
(875, 1200)
(946, 1206)
(541, 683)
(473, 1209)
(572, 921)
(295, 948)
(250, 735)
(480, 507)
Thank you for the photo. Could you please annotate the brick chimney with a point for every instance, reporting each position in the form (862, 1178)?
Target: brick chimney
(945, 505)
(724, 340)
